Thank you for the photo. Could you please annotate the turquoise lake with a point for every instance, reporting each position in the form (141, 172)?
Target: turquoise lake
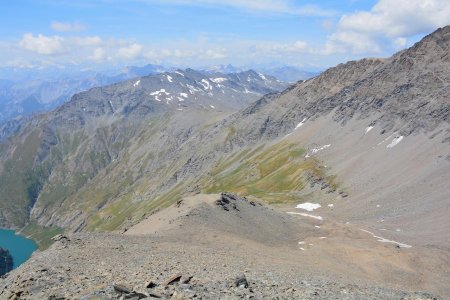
(20, 247)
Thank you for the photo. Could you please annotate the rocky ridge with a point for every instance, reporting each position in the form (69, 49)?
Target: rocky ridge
(200, 257)
(405, 92)
(145, 272)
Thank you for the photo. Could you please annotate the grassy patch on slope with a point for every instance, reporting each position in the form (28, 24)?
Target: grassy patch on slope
(275, 174)
(40, 234)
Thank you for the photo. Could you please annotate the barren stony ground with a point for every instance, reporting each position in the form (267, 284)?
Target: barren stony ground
(203, 248)
(402, 191)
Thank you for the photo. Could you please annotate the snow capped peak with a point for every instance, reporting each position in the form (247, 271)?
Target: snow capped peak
(211, 90)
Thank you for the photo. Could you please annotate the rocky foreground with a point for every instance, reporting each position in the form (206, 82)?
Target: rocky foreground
(99, 266)
(192, 259)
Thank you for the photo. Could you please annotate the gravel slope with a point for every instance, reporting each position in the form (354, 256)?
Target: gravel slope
(212, 243)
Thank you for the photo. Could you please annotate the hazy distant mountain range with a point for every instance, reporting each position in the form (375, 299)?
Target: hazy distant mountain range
(23, 93)
(283, 73)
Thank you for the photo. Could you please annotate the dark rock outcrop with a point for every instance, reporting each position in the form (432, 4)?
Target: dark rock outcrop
(6, 261)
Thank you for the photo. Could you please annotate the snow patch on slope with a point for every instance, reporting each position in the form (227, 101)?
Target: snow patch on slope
(161, 91)
(249, 92)
(218, 80)
(308, 206)
(300, 124)
(192, 89)
(111, 105)
(384, 240)
(395, 141)
(315, 150)
(206, 84)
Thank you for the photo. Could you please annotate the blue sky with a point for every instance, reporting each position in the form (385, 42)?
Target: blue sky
(309, 34)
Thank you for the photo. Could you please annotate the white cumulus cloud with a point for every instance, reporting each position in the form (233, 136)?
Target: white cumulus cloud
(87, 41)
(400, 42)
(130, 52)
(348, 41)
(98, 55)
(42, 44)
(400, 18)
(388, 24)
(215, 53)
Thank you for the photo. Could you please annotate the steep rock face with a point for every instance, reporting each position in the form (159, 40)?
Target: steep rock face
(128, 124)
(407, 92)
(6, 261)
